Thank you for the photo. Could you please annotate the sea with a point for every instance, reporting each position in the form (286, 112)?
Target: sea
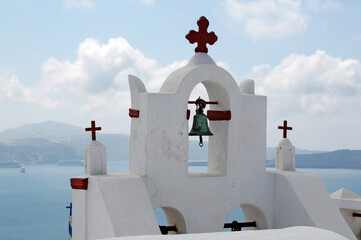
(33, 205)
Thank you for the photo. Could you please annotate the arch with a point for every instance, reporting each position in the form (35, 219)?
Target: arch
(235, 215)
(221, 87)
(201, 66)
(254, 213)
(173, 218)
(212, 77)
(197, 156)
(218, 143)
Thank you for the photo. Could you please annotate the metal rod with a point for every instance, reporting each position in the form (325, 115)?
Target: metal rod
(165, 229)
(355, 214)
(237, 226)
(71, 208)
(194, 102)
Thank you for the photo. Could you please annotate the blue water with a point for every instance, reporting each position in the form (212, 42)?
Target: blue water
(33, 204)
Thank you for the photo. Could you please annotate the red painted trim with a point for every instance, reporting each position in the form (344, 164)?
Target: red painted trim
(133, 113)
(79, 183)
(188, 114)
(213, 115)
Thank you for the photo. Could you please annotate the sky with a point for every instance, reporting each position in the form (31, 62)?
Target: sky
(68, 60)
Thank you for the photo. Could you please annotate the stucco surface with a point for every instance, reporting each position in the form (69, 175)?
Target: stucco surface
(285, 155)
(301, 199)
(123, 204)
(294, 233)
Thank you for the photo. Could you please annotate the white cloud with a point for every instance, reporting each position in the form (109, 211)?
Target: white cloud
(103, 67)
(78, 4)
(99, 77)
(318, 94)
(111, 109)
(314, 84)
(105, 105)
(12, 91)
(273, 18)
(268, 18)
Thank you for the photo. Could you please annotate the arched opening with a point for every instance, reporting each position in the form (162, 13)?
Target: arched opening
(197, 156)
(212, 158)
(353, 219)
(245, 217)
(170, 220)
(236, 215)
(253, 213)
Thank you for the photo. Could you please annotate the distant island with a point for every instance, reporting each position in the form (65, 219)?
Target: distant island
(345, 158)
(52, 142)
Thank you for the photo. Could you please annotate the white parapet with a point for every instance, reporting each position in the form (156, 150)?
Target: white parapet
(285, 155)
(113, 205)
(95, 159)
(295, 233)
(247, 86)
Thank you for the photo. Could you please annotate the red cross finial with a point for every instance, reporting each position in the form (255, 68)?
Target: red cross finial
(285, 128)
(93, 129)
(202, 37)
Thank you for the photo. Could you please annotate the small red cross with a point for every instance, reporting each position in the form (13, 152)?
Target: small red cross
(285, 128)
(93, 129)
(202, 37)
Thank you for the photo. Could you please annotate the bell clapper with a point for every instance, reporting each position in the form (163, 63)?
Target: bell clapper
(200, 141)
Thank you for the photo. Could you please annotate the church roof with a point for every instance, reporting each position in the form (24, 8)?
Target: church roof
(294, 233)
(344, 193)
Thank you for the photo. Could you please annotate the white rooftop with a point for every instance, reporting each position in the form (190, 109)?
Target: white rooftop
(294, 233)
(344, 193)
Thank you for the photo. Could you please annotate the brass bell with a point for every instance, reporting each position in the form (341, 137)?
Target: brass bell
(200, 124)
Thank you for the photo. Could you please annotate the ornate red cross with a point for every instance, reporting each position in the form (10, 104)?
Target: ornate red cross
(285, 128)
(93, 129)
(202, 37)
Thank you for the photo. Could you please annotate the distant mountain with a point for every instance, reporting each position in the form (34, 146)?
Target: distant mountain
(66, 141)
(74, 138)
(52, 131)
(50, 142)
(346, 159)
(271, 152)
(36, 150)
(337, 159)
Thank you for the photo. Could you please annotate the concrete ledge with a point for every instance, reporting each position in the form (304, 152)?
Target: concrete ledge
(294, 233)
